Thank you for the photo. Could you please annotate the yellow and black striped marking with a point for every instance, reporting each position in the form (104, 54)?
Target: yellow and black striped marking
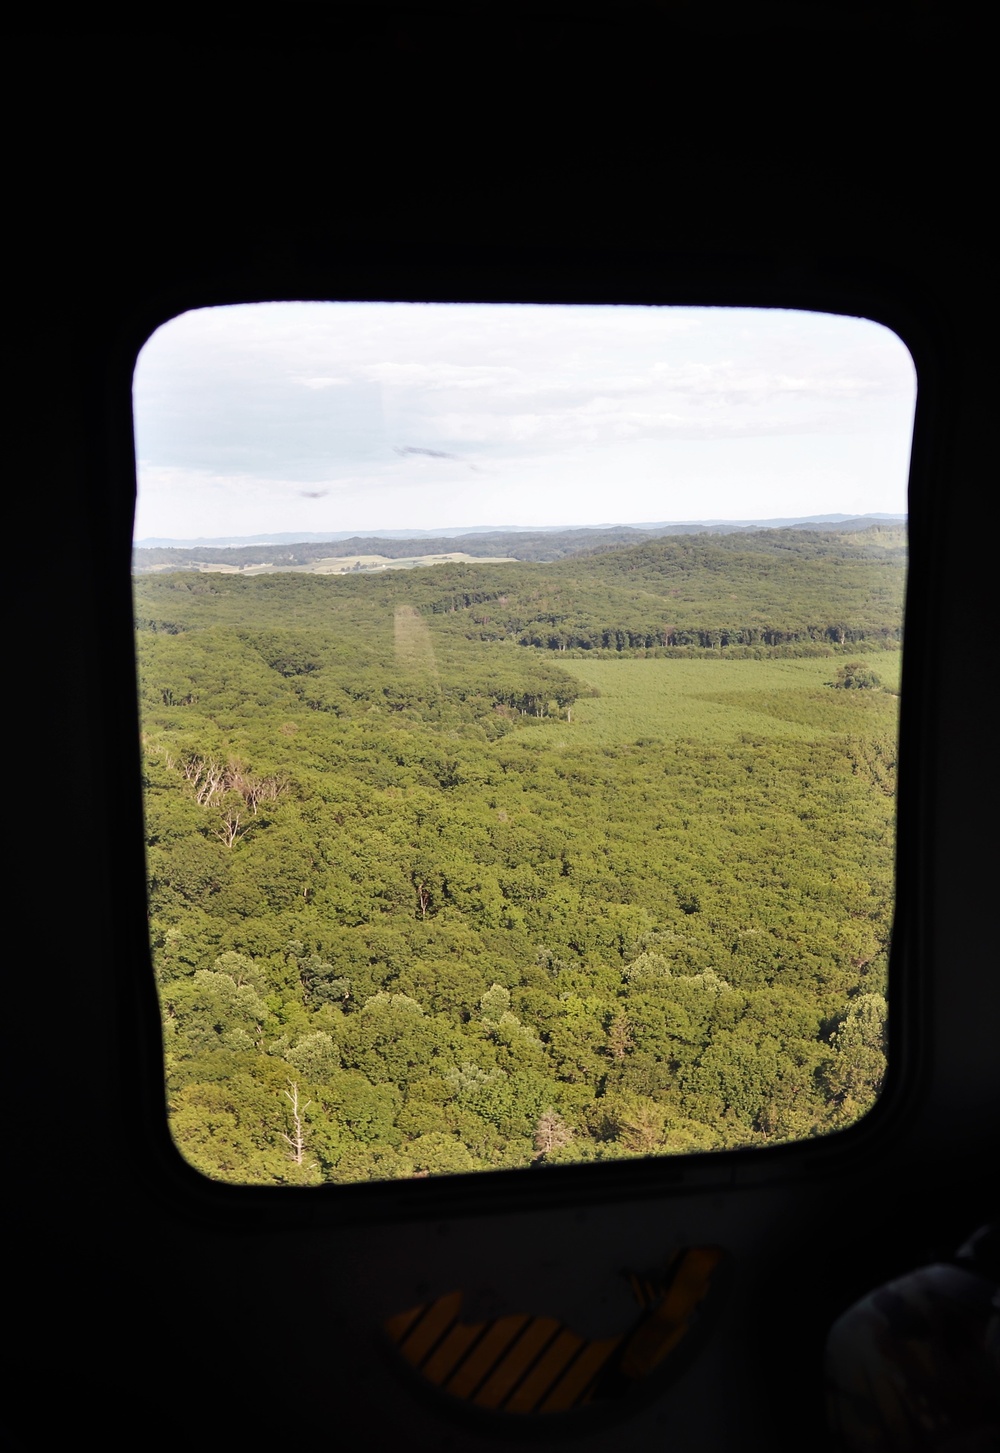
(524, 1363)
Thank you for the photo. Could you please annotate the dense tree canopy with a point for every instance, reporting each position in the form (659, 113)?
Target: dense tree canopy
(427, 898)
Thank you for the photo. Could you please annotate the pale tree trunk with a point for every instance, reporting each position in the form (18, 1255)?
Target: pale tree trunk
(231, 828)
(296, 1142)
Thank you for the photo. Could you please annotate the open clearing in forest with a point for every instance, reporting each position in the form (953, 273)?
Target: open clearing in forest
(414, 646)
(717, 701)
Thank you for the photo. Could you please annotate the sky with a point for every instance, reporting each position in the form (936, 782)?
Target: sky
(278, 417)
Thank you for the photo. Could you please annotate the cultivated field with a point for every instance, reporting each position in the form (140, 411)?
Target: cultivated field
(333, 564)
(716, 701)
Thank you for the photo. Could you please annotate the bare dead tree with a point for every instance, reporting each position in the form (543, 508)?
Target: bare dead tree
(208, 779)
(211, 779)
(619, 1037)
(190, 768)
(256, 790)
(296, 1142)
(551, 1133)
(230, 828)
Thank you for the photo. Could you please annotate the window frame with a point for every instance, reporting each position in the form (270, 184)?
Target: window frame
(607, 279)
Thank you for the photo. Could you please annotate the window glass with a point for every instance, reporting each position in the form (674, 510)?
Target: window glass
(519, 693)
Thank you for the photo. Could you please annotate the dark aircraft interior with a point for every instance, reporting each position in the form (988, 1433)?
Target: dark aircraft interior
(828, 158)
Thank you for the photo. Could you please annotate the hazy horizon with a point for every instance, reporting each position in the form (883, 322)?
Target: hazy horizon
(461, 531)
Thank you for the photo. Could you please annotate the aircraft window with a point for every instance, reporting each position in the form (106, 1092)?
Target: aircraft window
(519, 695)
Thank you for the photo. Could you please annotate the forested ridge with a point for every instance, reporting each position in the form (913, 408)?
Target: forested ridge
(541, 545)
(498, 865)
(522, 545)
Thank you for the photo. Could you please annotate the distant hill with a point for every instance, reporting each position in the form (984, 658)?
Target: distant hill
(792, 591)
(544, 544)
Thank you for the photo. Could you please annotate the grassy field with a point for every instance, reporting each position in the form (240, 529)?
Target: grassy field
(718, 701)
(413, 644)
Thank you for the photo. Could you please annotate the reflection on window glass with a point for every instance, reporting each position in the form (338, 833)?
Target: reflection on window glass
(519, 699)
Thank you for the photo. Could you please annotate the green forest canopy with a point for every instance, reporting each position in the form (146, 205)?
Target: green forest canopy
(490, 865)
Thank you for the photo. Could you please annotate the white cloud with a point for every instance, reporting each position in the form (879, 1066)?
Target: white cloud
(591, 411)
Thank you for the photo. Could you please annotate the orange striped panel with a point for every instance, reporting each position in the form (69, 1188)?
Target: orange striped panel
(444, 1358)
(638, 1289)
(438, 1319)
(571, 1387)
(397, 1327)
(483, 1356)
(649, 1346)
(544, 1373)
(653, 1340)
(516, 1362)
